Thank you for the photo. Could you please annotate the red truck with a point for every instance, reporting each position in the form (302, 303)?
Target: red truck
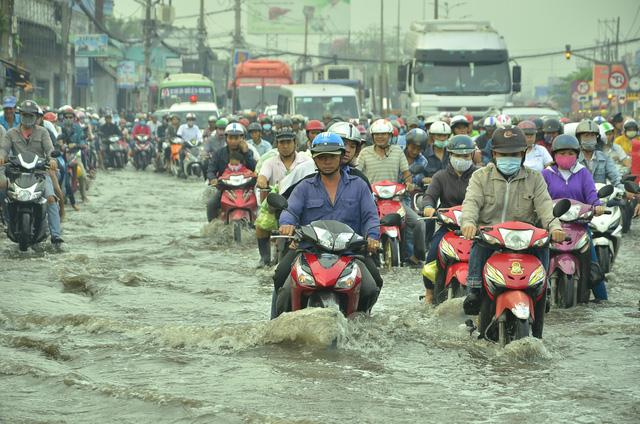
(256, 83)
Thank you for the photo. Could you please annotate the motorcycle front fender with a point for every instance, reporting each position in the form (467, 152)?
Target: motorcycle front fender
(512, 298)
(602, 241)
(239, 215)
(459, 270)
(566, 262)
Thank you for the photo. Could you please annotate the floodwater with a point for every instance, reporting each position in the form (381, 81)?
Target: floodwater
(151, 316)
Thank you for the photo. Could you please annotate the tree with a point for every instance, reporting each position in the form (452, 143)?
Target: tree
(125, 29)
(561, 92)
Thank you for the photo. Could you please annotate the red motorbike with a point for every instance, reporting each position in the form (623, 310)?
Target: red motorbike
(453, 258)
(326, 274)
(388, 197)
(514, 280)
(239, 205)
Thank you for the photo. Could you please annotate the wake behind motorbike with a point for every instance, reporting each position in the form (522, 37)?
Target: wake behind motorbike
(326, 274)
(388, 196)
(26, 205)
(143, 152)
(514, 280)
(238, 204)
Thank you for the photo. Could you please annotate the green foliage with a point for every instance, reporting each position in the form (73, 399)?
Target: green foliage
(125, 28)
(561, 92)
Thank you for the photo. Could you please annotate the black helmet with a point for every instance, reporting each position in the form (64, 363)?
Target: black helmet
(509, 140)
(285, 133)
(565, 142)
(461, 145)
(29, 106)
(254, 126)
(552, 125)
(416, 136)
(539, 123)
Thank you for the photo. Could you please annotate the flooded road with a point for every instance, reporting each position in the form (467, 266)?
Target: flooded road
(151, 316)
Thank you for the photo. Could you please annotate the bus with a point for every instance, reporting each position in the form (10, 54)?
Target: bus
(257, 82)
(315, 100)
(180, 88)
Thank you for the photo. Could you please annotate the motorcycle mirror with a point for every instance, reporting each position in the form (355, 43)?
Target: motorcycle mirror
(632, 187)
(605, 191)
(391, 220)
(277, 201)
(561, 207)
(629, 177)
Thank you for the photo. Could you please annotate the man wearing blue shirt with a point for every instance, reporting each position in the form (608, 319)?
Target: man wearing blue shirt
(9, 119)
(333, 194)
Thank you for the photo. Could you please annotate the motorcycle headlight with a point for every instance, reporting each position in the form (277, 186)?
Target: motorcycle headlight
(542, 242)
(348, 277)
(24, 194)
(520, 310)
(494, 275)
(304, 276)
(447, 250)
(582, 242)
(385, 192)
(537, 276)
(572, 214)
(516, 239)
(614, 225)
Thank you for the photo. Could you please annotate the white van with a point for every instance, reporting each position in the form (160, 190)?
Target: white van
(314, 100)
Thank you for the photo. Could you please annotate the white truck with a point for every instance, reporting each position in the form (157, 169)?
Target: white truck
(449, 65)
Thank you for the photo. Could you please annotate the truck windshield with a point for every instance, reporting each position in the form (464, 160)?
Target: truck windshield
(313, 107)
(256, 97)
(461, 78)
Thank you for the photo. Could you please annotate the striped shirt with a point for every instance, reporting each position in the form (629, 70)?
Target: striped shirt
(388, 167)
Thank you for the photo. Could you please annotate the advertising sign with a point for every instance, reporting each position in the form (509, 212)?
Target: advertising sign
(288, 16)
(91, 45)
(127, 75)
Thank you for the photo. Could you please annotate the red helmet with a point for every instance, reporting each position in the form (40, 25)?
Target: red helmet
(396, 131)
(469, 118)
(50, 116)
(314, 125)
(245, 122)
(362, 130)
(400, 121)
(565, 120)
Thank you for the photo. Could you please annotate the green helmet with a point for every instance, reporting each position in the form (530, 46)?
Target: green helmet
(606, 127)
(222, 123)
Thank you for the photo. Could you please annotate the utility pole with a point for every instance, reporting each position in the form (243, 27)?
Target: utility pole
(202, 35)
(381, 77)
(100, 11)
(65, 81)
(617, 37)
(147, 56)
(237, 43)
(435, 9)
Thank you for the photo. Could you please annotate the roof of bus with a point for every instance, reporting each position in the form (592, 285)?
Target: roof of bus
(318, 90)
(175, 80)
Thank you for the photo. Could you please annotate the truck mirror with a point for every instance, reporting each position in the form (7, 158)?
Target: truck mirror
(402, 77)
(516, 78)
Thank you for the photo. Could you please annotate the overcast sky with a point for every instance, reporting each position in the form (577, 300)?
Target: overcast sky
(528, 26)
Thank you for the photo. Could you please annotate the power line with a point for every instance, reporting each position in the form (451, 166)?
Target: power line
(560, 52)
(215, 12)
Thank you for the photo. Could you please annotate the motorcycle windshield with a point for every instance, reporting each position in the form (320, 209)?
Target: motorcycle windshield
(333, 236)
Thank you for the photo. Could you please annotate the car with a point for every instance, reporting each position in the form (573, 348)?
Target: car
(202, 110)
(523, 113)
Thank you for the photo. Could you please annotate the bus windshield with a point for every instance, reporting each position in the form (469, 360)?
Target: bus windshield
(256, 97)
(171, 95)
(462, 78)
(314, 107)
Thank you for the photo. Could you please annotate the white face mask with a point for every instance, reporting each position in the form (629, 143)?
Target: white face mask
(459, 164)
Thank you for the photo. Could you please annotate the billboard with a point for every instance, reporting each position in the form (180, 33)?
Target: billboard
(82, 72)
(91, 45)
(127, 74)
(288, 16)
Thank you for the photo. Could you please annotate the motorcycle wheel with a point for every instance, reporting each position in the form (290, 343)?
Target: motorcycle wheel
(487, 310)
(604, 258)
(237, 232)
(519, 328)
(440, 293)
(455, 289)
(565, 291)
(391, 253)
(25, 232)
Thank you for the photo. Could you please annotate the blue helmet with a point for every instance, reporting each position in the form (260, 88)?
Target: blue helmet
(327, 142)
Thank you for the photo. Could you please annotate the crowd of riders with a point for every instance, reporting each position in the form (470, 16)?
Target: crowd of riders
(498, 168)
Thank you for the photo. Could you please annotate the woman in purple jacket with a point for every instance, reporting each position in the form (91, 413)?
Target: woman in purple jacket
(568, 179)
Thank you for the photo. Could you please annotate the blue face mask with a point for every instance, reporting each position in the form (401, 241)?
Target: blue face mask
(508, 165)
(142, 122)
(266, 127)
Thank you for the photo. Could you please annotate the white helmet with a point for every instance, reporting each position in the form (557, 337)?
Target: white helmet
(234, 128)
(346, 130)
(190, 116)
(431, 119)
(440, 127)
(381, 126)
(490, 121)
(503, 120)
(458, 119)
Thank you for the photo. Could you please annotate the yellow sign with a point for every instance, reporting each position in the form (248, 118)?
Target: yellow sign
(516, 268)
(633, 96)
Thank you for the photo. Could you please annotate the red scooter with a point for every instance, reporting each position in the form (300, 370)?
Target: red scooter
(388, 197)
(326, 274)
(514, 281)
(239, 205)
(453, 258)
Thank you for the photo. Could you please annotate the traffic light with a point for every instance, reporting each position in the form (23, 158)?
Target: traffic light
(567, 51)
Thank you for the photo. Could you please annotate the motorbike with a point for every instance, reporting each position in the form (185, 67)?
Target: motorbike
(25, 204)
(238, 204)
(326, 274)
(388, 196)
(191, 164)
(143, 152)
(570, 260)
(176, 146)
(513, 280)
(453, 258)
(607, 229)
(116, 152)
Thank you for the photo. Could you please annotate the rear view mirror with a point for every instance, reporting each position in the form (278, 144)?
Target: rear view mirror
(605, 191)
(277, 201)
(516, 78)
(561, 207)
(391, 220)
(629, 177)
(632, 187)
